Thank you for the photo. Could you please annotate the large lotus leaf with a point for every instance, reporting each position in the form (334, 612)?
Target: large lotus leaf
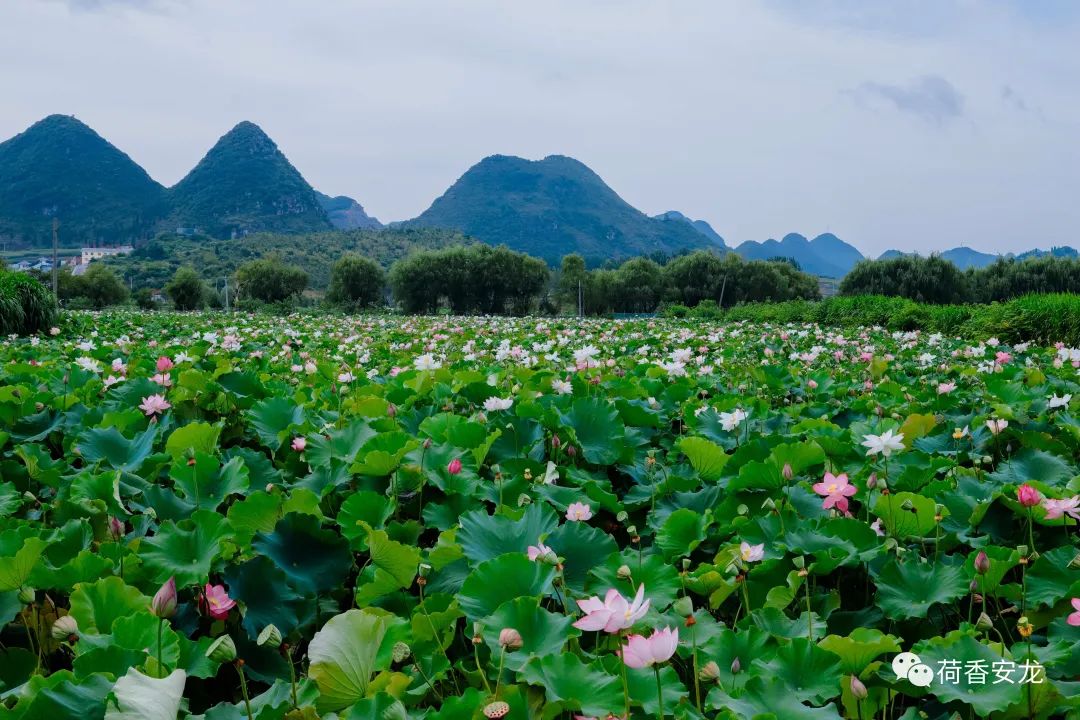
(109, 446)
(139, 697)
(682, 532)
(661, 580)
(381, 455)
(258, 512)
(1049, 579)
(273, 418)
(799, 455)
(267, 596)
(641, 683)
(19, 555)
(583, 548)
(312, 558)
(111, 659)
(706, 457)
(502, 579)
(348, 650)
(17, 665)
(775, 622)
(860, 648)
(1002, 560)
(196, 437)
(380, 706)
(96, 606)
(542, 632)
(61, 696)
(901, 523)
(908, 588)
(185, 550)
(483, 537)
(984, 697)
(207, 483)
(767, 698)
(363, 507)
(598, 430)
(138, 631)
(393, 566)
(746, 645)
(811, 673)
(339, 445)
(1028, 465)
(574, 685)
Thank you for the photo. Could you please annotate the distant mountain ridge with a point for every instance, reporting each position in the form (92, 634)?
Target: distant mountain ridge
(965, 257)
(549, 208)
(700, 225)
(347, 214)
(826, 255)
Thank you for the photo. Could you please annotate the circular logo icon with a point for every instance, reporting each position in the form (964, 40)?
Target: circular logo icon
(920, 675)
(902, 664)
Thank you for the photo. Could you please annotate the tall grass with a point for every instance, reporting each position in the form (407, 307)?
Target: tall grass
(26, 306)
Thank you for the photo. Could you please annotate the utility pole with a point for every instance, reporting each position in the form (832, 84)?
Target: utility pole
(580, 309)
(226, 293)
(55, 259)
(722, 289)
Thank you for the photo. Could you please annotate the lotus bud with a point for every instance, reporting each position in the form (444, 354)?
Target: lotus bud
(684, 606)
(982, 562)
(858, 690)
(571, 451)
(984, 622)
(769, 504)
(427, 443)
(787, 472)
(391, 410)
(736, 666)
(624, 572)
(510, 639)
(872, 481)
(686, 564)
(164, 603)
(401, 652)
(116, 529)
(709, 671)
(496, 710)
(65, 628)
(27, 595)
(556, 443)
(222, 650)
(454, 466)
(269, 637)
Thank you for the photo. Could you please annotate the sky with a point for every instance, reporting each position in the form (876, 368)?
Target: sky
(912, 124)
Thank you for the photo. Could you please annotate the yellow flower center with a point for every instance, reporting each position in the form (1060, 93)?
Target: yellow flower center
(832, 488)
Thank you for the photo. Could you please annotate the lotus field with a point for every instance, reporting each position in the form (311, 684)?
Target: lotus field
(255, 517)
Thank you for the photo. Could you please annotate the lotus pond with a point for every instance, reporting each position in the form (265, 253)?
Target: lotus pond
(240, 517)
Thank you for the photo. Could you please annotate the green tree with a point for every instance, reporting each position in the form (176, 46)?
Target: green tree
(101, 286)
(186, 289)
(573, 276)
(270, 280)
(640, 286)
(356, 282)
(930, 279)
(144, 299)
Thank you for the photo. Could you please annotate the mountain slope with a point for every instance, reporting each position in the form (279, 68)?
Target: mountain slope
(700, 225)
(964, 257)
(60, 168)
(549, 208)
(345, 213)
(825, 255)
(245, 184)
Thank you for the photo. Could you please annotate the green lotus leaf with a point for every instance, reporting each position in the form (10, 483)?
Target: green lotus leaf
(746, 646)
(267, 596)
(706, 457)
(393, 566)
(311, 557)
(1048, 578)
(360, 508)
(62, 696)
(207, 483)
(575, 685)
(811, 673)
(901, 523)
(483, 537)
(19, 555)
(910, 587)
(542, 632)
(17, 665)
(767, 698)
(957, 650)
(682, 532)
(583, 548)
(775, 622)
(96, 606)
(597, 428)
(139, 697)
(501, 580)
(196, 437)
(109, 446)
(347, 652)
(339, 445)
(860, 648)
(662, 583)
(801, 456)
(272, 420)
(185, 550)
(258, 512)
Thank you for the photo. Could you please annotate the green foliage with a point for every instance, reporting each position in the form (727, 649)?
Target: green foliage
(26, 305)
(356, 282)
(97, 288)
(270, 280)
(186, 289)
(930, 279)
(467, 280)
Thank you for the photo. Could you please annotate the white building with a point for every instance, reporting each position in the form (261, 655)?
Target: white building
(96, 253)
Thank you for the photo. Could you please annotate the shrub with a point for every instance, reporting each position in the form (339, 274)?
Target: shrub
(100, 286)
(26, 305)
(356, 282)
(269, 280)
(144, 299)
(186, 289)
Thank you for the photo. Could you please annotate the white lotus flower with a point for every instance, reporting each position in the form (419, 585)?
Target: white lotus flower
(885, 443)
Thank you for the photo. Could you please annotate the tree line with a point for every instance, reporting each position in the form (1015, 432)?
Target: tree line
(937, 281)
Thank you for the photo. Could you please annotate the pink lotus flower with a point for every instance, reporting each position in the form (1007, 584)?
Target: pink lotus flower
(578, 512)
(164, 603)
(217, 601)
(642, 652)
(539, 550)
(751, 553)
(997, 426)
(1058, 508)
(836, 490)
(164, 364)
(154, 405)
(613, 613)
(1028, 496)
(945, 388)
(1002, 357)
(299, 443)
(1074, 618)
(454, 467)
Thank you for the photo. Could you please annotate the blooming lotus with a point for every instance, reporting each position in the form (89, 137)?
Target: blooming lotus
(945, 388)
(836, 490)
(539, 551)
(884, 444)
(614, 612)
(578, 511)
(299, 443)
(1065, 506)
(154, 405)
(996, 427)
(1074, 618)
(493, 404)
(217, 602)
(731, 420)
(642, 652)
(1054, 401)
(751, 553)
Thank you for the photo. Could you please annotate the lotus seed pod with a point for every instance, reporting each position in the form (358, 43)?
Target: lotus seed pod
(401, 652)
(496, 710)
(624, 572)
(270, 637)
(65, 628)
(684, 606)
(709, 671)
(222, 650)
(27, 595)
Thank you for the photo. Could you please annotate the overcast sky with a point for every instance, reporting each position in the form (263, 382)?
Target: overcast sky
(917, 124)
